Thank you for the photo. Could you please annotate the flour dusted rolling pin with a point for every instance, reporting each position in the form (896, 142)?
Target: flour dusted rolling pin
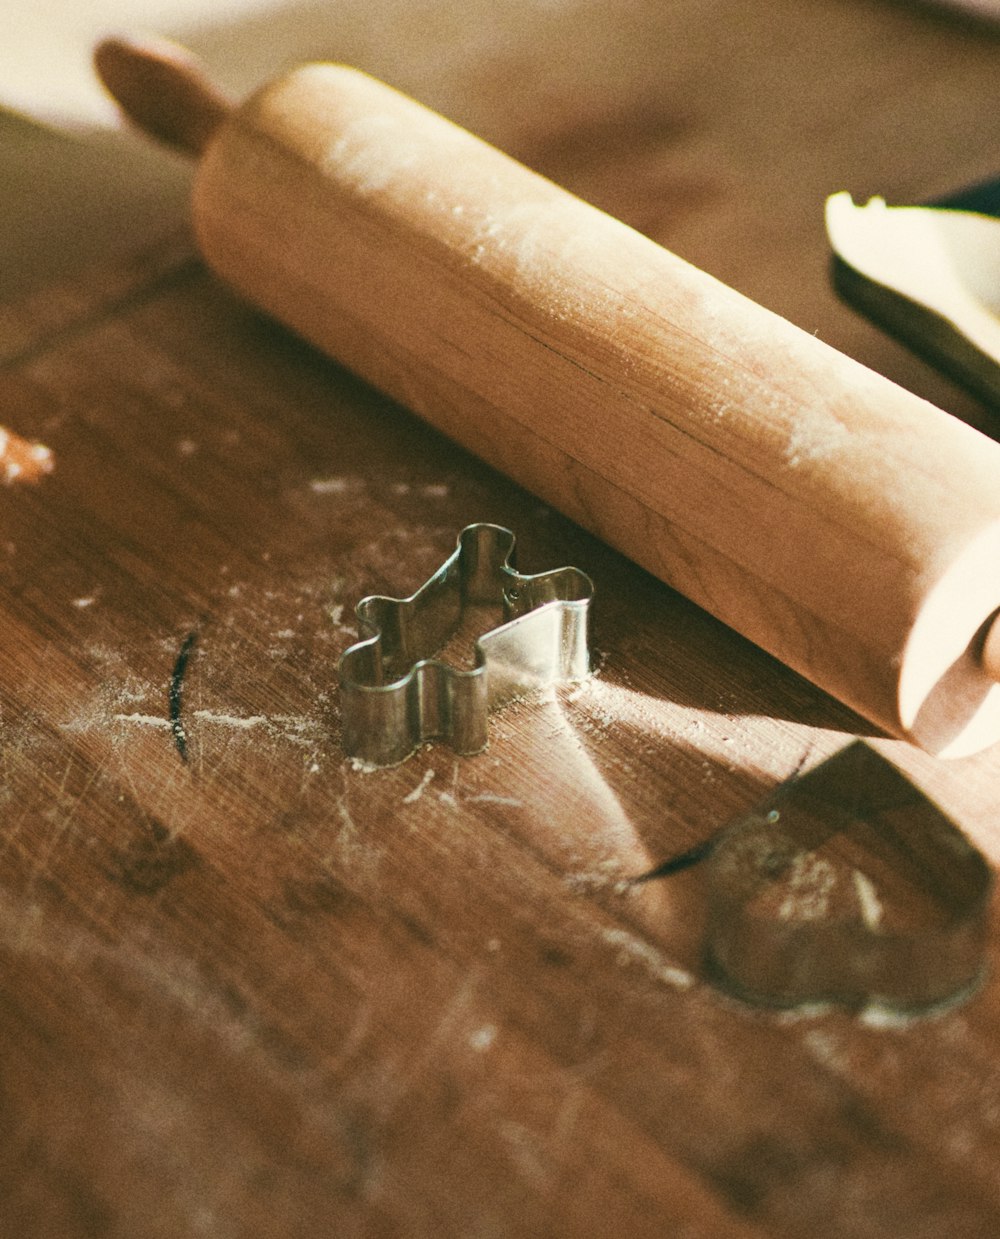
(843, 524)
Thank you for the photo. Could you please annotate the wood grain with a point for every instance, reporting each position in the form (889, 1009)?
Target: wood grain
(260, 992)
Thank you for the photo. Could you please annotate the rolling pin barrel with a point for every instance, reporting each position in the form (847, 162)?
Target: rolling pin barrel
(843, 524)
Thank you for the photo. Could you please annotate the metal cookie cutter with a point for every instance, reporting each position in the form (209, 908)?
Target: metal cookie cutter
(395, 695)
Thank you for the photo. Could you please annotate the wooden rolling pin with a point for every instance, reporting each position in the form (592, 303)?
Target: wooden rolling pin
(848, 527)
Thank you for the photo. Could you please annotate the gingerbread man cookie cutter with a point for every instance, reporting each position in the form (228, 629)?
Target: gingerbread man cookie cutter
(396, 695)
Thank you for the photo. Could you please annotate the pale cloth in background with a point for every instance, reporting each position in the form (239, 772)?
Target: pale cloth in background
(45, 69)
(77, 187)
(81, 188)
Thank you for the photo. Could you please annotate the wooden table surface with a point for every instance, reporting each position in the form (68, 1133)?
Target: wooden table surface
(257, 991)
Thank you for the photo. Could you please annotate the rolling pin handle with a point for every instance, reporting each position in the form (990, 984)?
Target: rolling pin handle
(161, 88)
(990, 655)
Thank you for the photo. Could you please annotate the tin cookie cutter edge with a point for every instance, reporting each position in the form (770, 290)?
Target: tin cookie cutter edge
(395, 695)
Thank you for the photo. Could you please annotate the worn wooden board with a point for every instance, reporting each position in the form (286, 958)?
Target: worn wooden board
(258, 991)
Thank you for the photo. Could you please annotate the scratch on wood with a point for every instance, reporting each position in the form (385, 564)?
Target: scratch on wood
(451, 1024)
(356, 1036)
(568, 1114)
(176, 694)
(525, 1152)
(682, 860)
(491, 798)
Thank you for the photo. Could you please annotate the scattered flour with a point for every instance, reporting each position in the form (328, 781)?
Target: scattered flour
(418, 791)
(335, 486)
(482, 1039)
(810, 443)
(142, 720)
(868, 900)
(811, 882)
(632, 950)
